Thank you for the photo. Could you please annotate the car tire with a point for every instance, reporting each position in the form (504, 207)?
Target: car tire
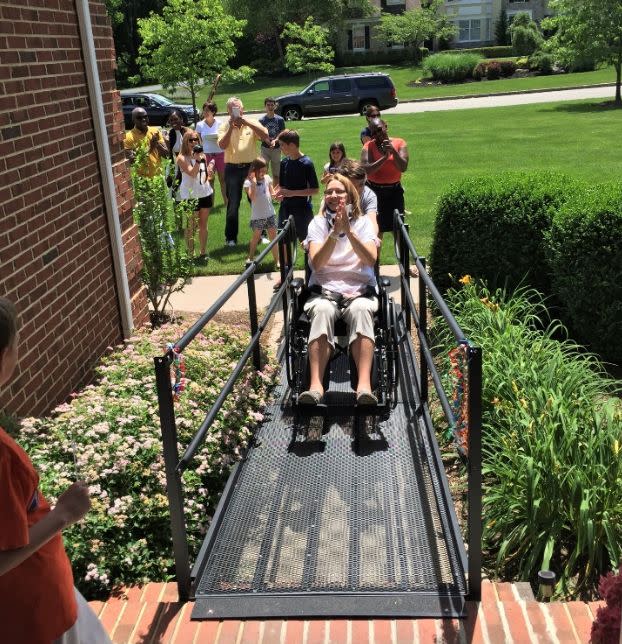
(291, 113)
(364, 105)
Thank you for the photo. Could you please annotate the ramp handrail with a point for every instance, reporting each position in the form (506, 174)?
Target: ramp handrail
(174, 466)
(404, 250)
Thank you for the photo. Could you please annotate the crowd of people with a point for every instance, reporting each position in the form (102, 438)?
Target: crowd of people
(230, 148)
(342, 241)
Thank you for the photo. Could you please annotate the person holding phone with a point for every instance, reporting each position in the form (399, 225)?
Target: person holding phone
(385, 159)
(208, 130)
(238, 137)
(157, 148)
(196, 174)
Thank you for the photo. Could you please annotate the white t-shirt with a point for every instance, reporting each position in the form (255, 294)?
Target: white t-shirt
(344, 272)
(369, 201)
(195, 187)
(261, 207)
(209, 136)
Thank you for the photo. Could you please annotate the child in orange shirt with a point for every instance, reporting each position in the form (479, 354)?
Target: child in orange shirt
(38, 601)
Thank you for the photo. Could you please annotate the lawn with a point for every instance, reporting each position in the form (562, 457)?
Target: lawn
(253, 95)
(572, 137)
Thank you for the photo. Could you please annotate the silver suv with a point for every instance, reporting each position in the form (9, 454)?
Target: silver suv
(339, 95)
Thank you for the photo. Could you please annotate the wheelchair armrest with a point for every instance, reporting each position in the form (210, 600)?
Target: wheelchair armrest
(385, 282)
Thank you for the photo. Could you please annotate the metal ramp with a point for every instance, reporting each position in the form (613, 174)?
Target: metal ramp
(335, 516)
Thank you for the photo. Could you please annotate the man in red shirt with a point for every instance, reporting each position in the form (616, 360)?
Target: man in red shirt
(38, 601)
(385, 159)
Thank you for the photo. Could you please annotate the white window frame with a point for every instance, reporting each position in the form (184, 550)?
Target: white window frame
(470, 29)
(395, 2)
(361, 29)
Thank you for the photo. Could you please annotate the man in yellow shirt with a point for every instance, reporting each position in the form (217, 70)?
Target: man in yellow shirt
(156, 145)
(238, 137)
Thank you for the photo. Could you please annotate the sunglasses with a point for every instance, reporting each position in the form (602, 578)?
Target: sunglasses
(195, 140)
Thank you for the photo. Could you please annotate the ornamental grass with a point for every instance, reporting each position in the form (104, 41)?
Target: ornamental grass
(109, 435)
(551, 441)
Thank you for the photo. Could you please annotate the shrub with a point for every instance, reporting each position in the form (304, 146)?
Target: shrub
(508, 67)
(480, 70)
(268, 66)
(606, 626)
(488, 52)
(526, 38)
(355, 59)
(450, 68)
(492, 228)
(552, 439)
(110, 436)
(493, 70)
(543, 62)
(585, 247)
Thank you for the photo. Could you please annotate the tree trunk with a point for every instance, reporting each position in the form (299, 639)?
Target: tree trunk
(279, 48)
(618, 66)
(193, 95)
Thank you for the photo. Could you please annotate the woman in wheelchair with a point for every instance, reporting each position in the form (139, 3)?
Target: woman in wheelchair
(343, 248)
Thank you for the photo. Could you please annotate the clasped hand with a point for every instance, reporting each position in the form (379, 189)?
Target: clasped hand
(341, 222)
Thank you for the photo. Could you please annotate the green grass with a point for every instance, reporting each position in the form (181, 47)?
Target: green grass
(571, 137)
(253, 94)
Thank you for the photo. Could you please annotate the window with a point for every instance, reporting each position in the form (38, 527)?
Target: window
(368, 82)
(322, 86)
(358, 38)
(341, 85)
(469, 30)
(395, 2)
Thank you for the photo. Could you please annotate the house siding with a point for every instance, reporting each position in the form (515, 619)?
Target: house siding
(55, 250)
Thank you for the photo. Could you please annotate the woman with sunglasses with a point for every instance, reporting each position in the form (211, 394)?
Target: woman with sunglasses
(196, 174)
(343, 248)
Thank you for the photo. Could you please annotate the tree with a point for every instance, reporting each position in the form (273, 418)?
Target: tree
(189, 44)
(266, 20)
(416, 26)
(589, 29)
(526, 37)
(501, 28)
(308, 49)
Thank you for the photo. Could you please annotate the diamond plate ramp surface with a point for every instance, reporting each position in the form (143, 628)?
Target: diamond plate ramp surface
(327, 518)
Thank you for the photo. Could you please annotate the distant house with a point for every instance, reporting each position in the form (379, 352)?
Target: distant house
(475, 20)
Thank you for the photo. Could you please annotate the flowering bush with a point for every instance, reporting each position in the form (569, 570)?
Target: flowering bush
(109, 435)
(606, 626)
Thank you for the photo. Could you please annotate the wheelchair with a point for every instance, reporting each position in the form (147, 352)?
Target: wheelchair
(384, 375)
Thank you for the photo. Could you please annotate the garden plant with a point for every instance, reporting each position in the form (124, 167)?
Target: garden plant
(551, 441)
(109, 435)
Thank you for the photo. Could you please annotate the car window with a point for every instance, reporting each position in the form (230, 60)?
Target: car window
(321, 86)
(127, 100)
(341, 85)
(368, 82)
(141, 101)
(162, 101)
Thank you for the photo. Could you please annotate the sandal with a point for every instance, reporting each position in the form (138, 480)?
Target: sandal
(366, 398)
(310, 397)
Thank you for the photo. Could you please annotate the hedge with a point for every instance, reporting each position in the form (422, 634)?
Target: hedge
(585, 253)
(547, 231)
(450, 67)
(492, 228)
(500, 51)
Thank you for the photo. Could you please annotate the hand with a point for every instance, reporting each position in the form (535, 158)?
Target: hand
(274, 143)
(73, 503)
(341, 222)
(281, 193)
(252, 178)
(387, 147)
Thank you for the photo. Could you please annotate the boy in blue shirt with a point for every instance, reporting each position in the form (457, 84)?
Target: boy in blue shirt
(298, 183)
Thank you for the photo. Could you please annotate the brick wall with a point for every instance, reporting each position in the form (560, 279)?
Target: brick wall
(55, 250)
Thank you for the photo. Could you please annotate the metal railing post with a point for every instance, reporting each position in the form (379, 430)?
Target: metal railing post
(252, 311)
(174, 487)
(423, 327)
(405, 255)
(475, 473)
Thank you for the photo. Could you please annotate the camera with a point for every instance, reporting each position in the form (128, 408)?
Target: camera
(235, 112)
(197, 148)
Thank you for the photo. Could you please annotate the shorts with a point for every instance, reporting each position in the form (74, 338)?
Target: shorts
(205, 202)
(218, 158)
(272, 156)
(390, 198)
(263, 224)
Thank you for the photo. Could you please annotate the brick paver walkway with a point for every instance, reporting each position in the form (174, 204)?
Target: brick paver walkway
(152, 615)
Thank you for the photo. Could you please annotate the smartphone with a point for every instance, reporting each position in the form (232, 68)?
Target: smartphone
(235, 112)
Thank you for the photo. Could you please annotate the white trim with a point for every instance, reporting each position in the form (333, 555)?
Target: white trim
(105, 166)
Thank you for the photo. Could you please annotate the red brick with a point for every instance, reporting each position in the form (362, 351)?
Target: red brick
(563, 623)
(337, 631)
(472, 624)
(381, 631)
(250, 632)
(360, 631)
(404, 630)
(426, 629)
(294, 633)
(229, 631)
(167, 622)
(147, 622)
(504, 592)
(127, 622)
(491, 613)
(272, 632)
(537, 621)
(207, 632)
(581, 619)
(316, 632)
(186, 629)
(111, 613)
(151, 592)
(516, 621)
(96, 607)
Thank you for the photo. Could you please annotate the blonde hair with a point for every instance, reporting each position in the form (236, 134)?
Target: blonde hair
(351, 192)
(186, 148)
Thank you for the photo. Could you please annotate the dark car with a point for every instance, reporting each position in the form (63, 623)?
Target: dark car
(158, 108)
(339, 95)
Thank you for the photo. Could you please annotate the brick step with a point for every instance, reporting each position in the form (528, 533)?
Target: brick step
(507, 613)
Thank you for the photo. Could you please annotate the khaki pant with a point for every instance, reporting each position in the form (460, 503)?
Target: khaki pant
(273, 159)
